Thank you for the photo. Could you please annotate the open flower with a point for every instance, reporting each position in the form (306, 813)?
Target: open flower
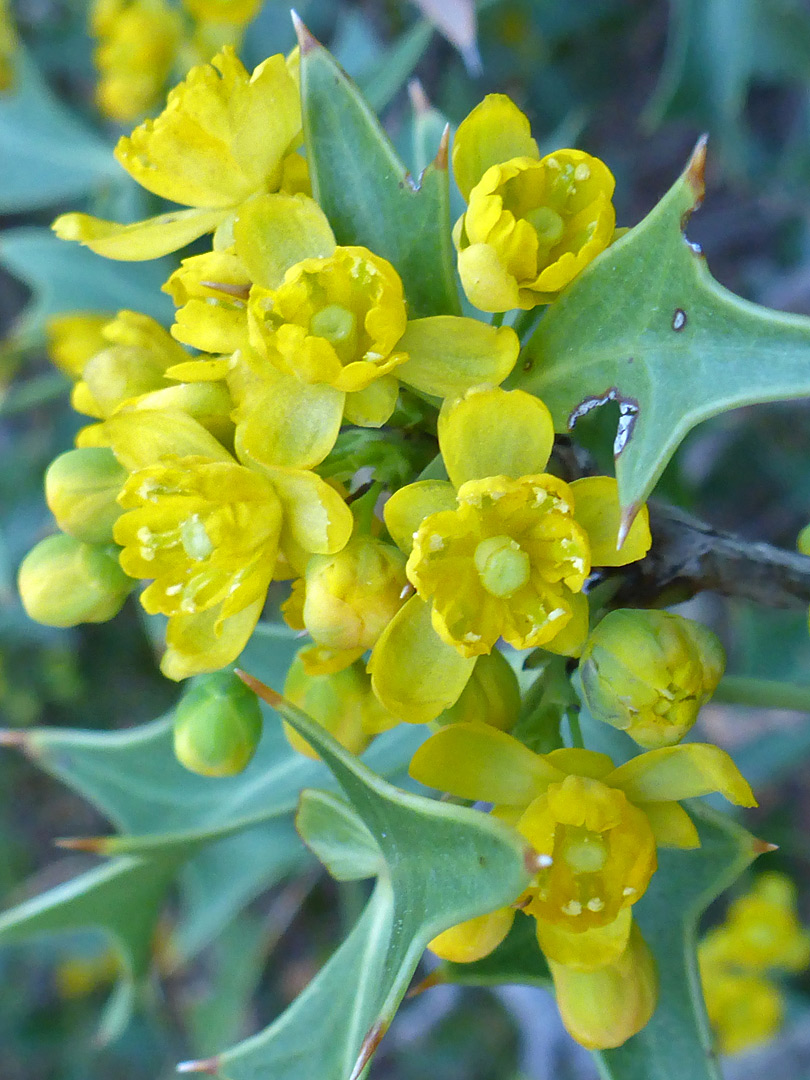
(323, 334)
(595, 830)
(532, 224)
(223, 136)
(502, 549)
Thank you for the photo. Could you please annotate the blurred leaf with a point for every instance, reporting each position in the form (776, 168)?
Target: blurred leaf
(366, 191)
(48, 155)
(456, 20)
(66, 277)
(647, 326)
(383, 80)
(677, 1043)
(442, 864)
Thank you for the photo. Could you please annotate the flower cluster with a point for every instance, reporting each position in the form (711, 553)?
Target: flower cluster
(740, 961)
(299, 432)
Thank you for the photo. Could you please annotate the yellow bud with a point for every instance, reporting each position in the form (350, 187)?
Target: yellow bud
(353, 595)
(81, 488)
(492, 696)
(74, 338)
(341, 701)
(217, 725)
(649, 672)
(64, 582)
(602, 1008)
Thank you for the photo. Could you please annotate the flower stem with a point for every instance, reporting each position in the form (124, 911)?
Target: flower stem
(575, 729)
(763, 693)
(497, 318)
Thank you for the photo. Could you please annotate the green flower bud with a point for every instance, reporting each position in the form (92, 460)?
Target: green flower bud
(64, 582)
(342, 702)
(492, 696)
(81, 488)
(649, 672)
(217, 725)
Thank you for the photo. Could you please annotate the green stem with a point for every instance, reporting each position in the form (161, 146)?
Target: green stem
(363, 508)
(764, 693)
(497, 318)
(524, 322)
(575, 729)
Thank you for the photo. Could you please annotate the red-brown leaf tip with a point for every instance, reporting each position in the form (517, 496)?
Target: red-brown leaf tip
(20, 740)
(370, 1044)
(97, 845)
(695, 174)
(206, 1065)
(435, 978)
(419, 99)
(626, 523)
(306, 40)
(259, 688)
(762, 847)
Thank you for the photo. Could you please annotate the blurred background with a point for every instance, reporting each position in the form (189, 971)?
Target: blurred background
(632, 81)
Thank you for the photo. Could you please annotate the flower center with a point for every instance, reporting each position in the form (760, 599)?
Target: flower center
(585, 852)
(196, 541)
(547, 224)
(502, 565)
(339, 326)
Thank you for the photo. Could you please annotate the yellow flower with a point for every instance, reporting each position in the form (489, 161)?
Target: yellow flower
(9, 44)
(349, 598)
(232, 12)
(744, 1010)
(328, 331)
(501, 550)
(341, 701)
(594, 829)
(137, 47)
(649, 672)
(532, 224)
(74, 338)
(492, 696)
(208, 530)
(223, 137)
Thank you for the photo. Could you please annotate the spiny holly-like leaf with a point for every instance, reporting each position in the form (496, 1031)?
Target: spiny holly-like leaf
(677, 1043)
(124, 899)
(366, 191)
(646, 325)
(441, 864)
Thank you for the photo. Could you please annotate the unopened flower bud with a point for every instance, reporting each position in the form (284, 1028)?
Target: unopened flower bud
(492, 696)
(602, 1008)
(64, 582)
(81, 487)
(74, 338)
(649, 672)
(342, 702)
(353, 595)
(217, 725)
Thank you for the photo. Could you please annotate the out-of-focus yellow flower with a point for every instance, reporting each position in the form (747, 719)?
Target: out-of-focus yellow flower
(594, 829)
(532, 224)
(223, 137)
(760, 939)
(341, 701)
(78, 976)
(501, 550)
(137, 46)
(232, 12)
(63, 581)
(649, 672)
(8, 47)
(217, 725)
(348, 599)
(73, 338)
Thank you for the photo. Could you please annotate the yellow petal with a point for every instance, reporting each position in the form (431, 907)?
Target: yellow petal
(487, 283)
(148, 239)
(448, 355)
(199, 643)
(493, 432)
(288, 423)
(139, 439)
(407, 509)
(202, 370)
(597, 509)
(314, 513)
(603, 1008)
(475, 938)
(586, 949)
(274, 232)
(581, 762)
(372, 406)
(495, 131)
(570, 641)
(414, 673)
(671, 825)
(682, 772)
(476, 761)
